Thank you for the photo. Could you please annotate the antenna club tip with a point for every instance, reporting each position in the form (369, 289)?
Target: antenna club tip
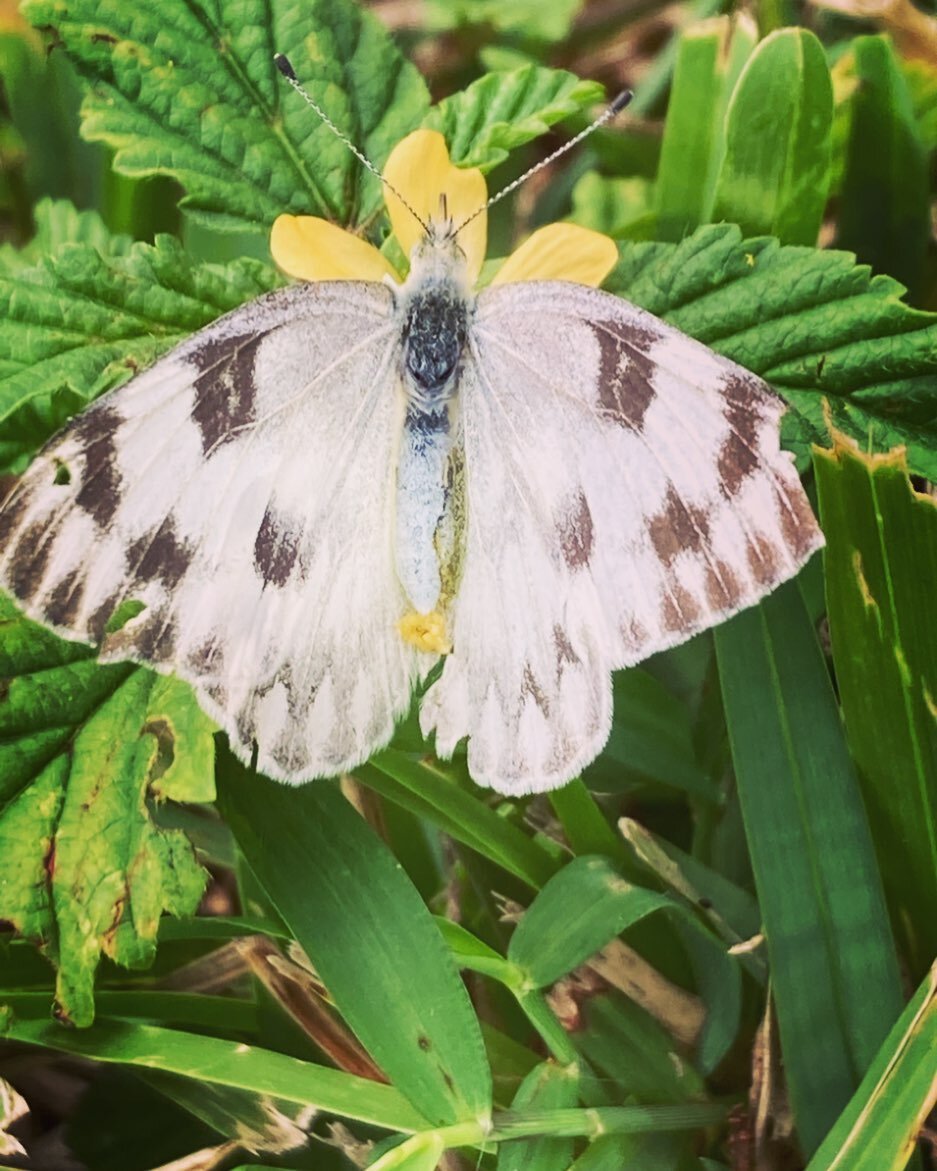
(282, 63)
(618, 103)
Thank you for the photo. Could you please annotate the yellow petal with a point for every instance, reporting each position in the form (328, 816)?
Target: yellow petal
(315, 250)
(420, 169)
(561, 252)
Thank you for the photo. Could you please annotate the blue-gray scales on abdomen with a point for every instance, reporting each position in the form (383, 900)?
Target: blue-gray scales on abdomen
(434, 333)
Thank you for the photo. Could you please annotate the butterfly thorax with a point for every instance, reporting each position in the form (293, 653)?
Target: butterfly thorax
(434, 304)
(434, 308)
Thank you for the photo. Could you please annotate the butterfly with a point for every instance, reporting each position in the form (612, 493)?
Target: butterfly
(332, 490)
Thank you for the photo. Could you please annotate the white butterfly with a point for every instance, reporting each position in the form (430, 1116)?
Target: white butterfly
(326, 490)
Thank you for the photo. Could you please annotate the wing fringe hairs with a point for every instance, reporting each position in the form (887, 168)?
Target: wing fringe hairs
(623, 489)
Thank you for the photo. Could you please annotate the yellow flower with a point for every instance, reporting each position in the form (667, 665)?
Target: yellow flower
(419, 167)
(313, 249)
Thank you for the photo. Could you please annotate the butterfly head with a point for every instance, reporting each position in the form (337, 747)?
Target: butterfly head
(439, 258)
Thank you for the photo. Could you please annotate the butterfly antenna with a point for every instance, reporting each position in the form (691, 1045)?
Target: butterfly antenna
(613, 108)
(282, 63)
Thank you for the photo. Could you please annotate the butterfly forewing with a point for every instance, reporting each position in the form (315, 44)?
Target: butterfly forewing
(625, 489)
(242, 490)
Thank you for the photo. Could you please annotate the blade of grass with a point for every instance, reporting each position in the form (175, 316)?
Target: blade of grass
(651, 741)
(584, 823)
(429, 789)
(588, 904)
(180, 1009)
(624, 1042)
(834, 972)
(223, 1063)
(884, 213)
(878, 1129)
(710, 56)
(775, 175)
(547, 1087)
(881, 581)
(372, 940)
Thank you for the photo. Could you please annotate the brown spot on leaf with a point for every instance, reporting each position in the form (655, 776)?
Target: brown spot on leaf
(162, 732)
(677, 527)
(60, 1015)
(576, 532)
(626, 372)
(276, 548)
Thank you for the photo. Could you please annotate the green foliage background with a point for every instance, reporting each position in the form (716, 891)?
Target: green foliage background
(744, 881)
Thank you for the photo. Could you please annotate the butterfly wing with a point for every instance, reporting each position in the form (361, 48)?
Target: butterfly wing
(624, 489)
(242, 489)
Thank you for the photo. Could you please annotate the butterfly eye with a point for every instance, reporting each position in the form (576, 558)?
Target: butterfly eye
(63, 473)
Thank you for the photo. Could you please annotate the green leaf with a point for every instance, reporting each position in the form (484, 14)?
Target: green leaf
(526, 18)
(710, 56)
(600, 1120)
(879, 1128)
(881, 581)
(589, 903)
(42, 95)
(370, 937)
(190, 90)
(732, 912)
(84, 750)
(884, 213)
(651, 741)
(624, 1043)
(215, 1062)
(775, 175)
(89, 317)
(504, 110)
(621, 208)
(58, 222)
(422, 1152)
(429, 789)
(650, 1152)
(584, 825)
(921, 80)
(547, 1087)
(812, 323)
(818, 885)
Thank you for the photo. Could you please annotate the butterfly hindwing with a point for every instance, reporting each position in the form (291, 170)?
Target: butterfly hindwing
(624, 490)
(242, 491)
